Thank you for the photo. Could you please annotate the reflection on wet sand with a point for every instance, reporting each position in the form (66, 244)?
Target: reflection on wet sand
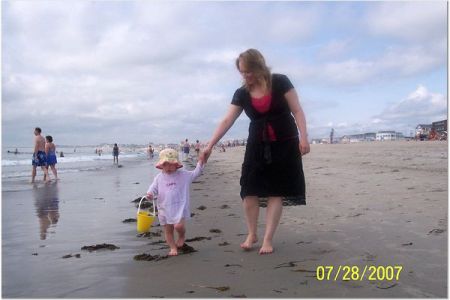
(46, 200)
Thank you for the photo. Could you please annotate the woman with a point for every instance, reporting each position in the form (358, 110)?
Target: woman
(272, 165)
(50, 151)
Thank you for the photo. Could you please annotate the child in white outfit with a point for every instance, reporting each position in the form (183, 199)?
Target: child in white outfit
(172, 187)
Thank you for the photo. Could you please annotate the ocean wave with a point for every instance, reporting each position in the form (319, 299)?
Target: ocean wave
(70, 159)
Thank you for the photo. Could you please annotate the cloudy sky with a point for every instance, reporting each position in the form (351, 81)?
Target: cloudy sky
(89, 72)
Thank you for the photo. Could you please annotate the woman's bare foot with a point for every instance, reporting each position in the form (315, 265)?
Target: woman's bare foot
(173, 252)
(249, 241)
(266, 248)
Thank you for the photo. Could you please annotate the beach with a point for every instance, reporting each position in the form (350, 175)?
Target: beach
(368, 204)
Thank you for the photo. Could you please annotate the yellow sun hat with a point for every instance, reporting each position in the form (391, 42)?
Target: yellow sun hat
(170, 156)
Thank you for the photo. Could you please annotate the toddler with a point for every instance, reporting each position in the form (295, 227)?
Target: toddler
(172, 188)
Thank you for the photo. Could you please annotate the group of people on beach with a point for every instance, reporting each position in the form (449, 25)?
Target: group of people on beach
(272, 166)
(186, 147)
(44, 155)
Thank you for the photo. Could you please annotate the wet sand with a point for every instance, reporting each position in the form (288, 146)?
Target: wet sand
(367, 204)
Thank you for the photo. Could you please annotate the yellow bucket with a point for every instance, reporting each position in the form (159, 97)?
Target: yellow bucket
(145, 218)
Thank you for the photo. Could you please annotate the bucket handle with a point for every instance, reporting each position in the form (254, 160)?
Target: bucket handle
(139, 207)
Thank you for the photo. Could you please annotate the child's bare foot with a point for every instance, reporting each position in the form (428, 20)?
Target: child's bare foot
(173, 252)
(249, 241)
(266, 248)
(180, 242)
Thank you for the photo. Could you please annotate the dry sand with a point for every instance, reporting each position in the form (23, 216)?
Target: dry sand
(367, 204)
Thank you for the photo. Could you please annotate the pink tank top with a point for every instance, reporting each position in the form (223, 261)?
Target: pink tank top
(262, 105)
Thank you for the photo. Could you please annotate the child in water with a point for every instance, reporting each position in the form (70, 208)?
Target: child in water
(173, 203)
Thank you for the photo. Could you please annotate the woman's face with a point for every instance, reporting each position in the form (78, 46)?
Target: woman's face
(246, 74)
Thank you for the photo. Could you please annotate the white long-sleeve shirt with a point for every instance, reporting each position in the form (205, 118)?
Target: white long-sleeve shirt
(173, 194)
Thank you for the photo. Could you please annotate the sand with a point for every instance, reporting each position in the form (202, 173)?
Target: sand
(368, 204)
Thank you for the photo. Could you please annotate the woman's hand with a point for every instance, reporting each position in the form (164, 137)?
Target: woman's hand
(204, 155)
(149, 196)
(304, 146)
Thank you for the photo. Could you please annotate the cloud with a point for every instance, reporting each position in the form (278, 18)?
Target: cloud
(410, 21)
(392, 64)
(139, 70)
(334, 49)
(420, 106)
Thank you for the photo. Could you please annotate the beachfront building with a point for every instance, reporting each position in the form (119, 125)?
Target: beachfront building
(172, 146)
(355, 138)
(389, 136)
(422, 131)
(440, 126)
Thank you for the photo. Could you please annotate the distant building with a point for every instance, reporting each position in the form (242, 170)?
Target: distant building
(423, 130)
(172, 146)
(363, 137)
(439, 126)
(389, 136)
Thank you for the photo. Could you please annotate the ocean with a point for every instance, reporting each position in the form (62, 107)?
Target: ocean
(16, 167)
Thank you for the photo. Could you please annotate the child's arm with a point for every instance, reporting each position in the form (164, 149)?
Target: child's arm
(153, 189)
(197, 171)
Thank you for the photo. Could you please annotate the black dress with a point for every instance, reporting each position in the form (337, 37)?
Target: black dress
(272, 168)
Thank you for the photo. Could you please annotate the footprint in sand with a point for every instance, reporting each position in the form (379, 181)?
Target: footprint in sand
(322, 251)
(303, 242)
(198, 238)
(355, 215)
(436, 231)
(369, 257)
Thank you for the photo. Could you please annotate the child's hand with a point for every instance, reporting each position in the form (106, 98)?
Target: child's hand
(149, 196)
(203, 157)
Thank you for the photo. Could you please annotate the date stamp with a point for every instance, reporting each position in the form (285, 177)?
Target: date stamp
(356, 273)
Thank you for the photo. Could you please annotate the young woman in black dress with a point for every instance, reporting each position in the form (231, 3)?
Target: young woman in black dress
(272, 166)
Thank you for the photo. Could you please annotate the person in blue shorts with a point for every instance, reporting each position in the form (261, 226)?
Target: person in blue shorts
(186, 148)
(39, 158)
(115, 154)
(50, 151)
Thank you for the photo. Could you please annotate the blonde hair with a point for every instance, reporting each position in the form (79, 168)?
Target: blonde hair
(255, 62)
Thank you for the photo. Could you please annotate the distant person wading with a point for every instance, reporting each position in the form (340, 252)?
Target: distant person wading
(115, 154)
(50, 151)
(39, 158)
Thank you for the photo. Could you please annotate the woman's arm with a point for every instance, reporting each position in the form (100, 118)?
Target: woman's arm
(234, 111)
(299, 115)
(47, 148)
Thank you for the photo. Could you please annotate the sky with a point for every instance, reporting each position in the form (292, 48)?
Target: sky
(92, 72)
